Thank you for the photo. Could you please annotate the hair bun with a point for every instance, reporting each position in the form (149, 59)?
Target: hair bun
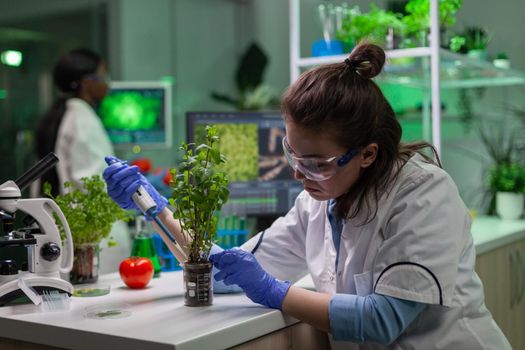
(368, 59)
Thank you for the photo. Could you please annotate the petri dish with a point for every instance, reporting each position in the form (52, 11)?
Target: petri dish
(107, 311)
(91, 290)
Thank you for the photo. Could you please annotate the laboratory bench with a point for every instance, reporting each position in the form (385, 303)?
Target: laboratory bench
(156, 318)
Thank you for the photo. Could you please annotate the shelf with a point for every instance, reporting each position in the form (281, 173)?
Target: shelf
(456, 70)
(430, 68)
(402, 53)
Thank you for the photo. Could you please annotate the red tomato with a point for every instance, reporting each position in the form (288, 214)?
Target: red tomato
(136, 272)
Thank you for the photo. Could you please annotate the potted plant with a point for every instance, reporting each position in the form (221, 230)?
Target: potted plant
(456, 43)
(378, 26)
(501, 61)
(199, 190)
(417, 19)
(90, 213)
(507, 180)
(476, 41)
(254, 94)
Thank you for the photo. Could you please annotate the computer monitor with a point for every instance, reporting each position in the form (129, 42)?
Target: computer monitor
(138, 113)
(261, 181)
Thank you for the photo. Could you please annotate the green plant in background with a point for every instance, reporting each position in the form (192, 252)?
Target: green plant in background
(457, 42)
(199, 190)
(372, 26)
(253, 94)
(417, 20)
(476, 38)
(505, 171)
(466, 110)
(501, 147)
(472, 38)
(90, 212)
(239, 143)
(507, 177)
(519, 114)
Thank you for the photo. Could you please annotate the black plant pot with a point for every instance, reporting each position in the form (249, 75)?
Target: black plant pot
(198, 285)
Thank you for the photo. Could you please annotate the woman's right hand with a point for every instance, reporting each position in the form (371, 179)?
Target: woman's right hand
(123, 181)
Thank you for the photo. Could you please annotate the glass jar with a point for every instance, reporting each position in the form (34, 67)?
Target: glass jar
(198, 285)
(85, 263)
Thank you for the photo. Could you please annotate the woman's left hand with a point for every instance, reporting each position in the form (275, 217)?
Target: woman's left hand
(241, 268)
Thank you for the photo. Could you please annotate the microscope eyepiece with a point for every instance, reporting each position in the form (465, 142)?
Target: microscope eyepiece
(36, 171)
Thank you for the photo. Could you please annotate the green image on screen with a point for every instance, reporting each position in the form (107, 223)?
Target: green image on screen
(130, 110)
(240, 144)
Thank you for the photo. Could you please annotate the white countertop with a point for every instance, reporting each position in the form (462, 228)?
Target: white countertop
(490, 232)
(159, 319)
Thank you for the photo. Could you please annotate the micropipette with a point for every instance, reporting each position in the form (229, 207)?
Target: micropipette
(148, 207)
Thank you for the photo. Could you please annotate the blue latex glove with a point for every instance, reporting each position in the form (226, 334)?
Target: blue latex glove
(123, 180)
(240, 267)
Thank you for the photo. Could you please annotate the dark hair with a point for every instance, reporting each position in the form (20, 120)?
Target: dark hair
(67, 77)
(342, 99)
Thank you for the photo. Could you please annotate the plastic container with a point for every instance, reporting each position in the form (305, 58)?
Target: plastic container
(232, 226)
(91, 290)
(327, 48)
(107, 311)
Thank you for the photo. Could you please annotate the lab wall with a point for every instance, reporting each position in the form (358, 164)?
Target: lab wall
(198, 44)
(191, 43)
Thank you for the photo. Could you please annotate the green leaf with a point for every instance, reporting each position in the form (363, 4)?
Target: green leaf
(89, 211)
(199, 190)
(507, 177)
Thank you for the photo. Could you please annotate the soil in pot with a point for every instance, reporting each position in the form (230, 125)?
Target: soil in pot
(85, 264)
(198, 284)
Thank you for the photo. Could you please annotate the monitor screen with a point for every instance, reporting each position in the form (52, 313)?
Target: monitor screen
(260, 177)
(138, 113)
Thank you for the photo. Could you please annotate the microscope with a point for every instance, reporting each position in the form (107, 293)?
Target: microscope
(30, 244)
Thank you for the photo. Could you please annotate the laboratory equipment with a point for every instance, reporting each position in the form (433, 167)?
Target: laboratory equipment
(149, 208)
(49, 300)
(138, 113)
(143, 245)
(261, 182)
(166, 259)
(232, 230)
(91, 290)
(330, 18)
(30, 245)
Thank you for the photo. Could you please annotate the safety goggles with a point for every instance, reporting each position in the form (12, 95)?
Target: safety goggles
(316, 168)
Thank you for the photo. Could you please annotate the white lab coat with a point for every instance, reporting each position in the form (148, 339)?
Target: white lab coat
(419, 247)
(81, 145)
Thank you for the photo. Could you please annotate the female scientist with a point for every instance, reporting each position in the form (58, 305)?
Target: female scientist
(71, 128)
(380, 227)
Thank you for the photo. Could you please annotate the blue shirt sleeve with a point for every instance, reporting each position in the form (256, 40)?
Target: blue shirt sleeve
(372, 318)
(218, 286)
